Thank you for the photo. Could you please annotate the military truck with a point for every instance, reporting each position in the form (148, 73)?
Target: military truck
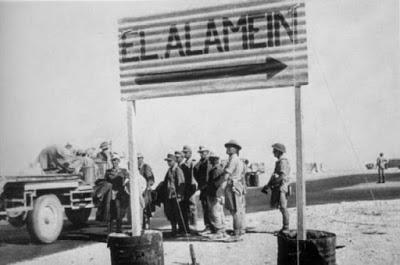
(40, 201)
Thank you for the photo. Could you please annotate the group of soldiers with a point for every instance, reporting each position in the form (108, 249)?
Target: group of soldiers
(220, 186)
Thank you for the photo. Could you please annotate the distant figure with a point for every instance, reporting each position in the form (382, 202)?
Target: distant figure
(190, 185)
(278, 184)
(147, 173)
(235, 187)
(381, 164)
(174, 183)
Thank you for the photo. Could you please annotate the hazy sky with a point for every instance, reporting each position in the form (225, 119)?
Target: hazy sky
(59, 82)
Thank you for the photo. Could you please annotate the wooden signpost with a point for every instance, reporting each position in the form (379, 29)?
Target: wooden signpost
(232, 47)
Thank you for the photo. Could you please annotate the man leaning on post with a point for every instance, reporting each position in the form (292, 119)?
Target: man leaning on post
(278, 183)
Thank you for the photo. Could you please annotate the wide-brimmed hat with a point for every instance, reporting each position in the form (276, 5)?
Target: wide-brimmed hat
(170, 157)
(186, 149)
(233, 143)
(104, 145)
(139, 155)
(279, 147)
(203, 149)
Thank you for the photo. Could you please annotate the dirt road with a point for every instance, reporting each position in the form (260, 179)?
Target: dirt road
(15, 244)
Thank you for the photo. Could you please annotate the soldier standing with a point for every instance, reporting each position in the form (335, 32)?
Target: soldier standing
(215, 197)
(119, 198)
(180, 160)
(190, 185)
(381, 164)
(235, 190)
(200, 172)
(174, 181)
(147, 173)
(278, 184)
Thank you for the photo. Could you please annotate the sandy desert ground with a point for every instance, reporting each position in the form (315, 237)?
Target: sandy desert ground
(367, 231)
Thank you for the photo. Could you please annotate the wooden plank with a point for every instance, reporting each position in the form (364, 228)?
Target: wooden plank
(300, 183)
(136, 212)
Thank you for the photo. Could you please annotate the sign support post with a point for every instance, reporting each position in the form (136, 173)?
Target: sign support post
(300, 184)
(136, 214)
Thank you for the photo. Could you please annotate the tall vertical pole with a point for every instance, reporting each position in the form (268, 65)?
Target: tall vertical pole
(300, 184)
(133, 171)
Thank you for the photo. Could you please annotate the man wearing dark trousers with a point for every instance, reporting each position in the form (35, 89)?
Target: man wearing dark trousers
(381, 164)
(174, 181)
(180, 159)
(190, 185)
(200, 172)
(119, 198)
(278, 184)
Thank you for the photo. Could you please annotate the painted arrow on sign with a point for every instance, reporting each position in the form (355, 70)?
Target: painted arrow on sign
(271, 67)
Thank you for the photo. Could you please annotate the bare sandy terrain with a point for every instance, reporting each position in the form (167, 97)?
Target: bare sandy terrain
(368, 230)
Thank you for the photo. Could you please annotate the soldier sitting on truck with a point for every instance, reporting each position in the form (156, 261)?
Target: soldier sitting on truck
(57, 159)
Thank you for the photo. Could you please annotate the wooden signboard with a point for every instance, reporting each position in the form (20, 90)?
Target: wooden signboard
(249, 45)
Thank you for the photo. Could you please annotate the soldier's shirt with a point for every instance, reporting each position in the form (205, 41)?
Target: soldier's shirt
(234, 167)
(175, 182)
(117, 178)
(380, 162)
(200, 172)
(282, 169)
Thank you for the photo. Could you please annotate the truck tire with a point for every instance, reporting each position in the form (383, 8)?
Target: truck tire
(78, 217)
(45, 221)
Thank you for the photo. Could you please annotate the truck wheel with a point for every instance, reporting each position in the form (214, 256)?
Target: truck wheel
(18, 220)
(45, 221)
(78, 217)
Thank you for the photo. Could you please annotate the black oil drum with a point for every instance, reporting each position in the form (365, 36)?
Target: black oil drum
(146, 249)
(318, 249)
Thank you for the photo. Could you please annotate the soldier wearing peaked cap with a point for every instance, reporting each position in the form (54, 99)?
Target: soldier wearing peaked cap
(174, 181)
(180, 160)
(189, 207)
(200, 173)
(278, 184)
(235, 190)
(119, 203)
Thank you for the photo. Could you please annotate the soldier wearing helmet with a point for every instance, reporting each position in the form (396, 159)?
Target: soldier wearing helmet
(278, 184)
